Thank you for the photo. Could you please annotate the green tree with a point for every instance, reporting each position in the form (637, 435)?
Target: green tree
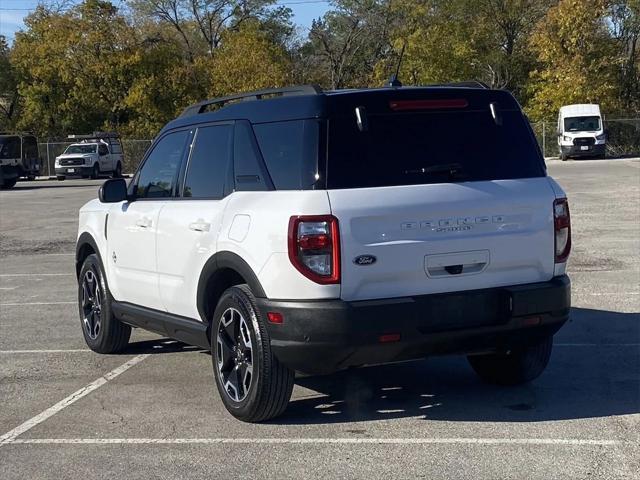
(75, 68)
(345, 45)
(625, 27)
(578, 59)
(247, 60)
(8, 88)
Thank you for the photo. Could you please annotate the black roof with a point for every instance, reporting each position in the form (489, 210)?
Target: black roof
(310, 101)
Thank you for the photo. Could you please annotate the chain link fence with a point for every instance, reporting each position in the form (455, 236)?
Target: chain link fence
(134, 151)
(623, 137)
(623, 140)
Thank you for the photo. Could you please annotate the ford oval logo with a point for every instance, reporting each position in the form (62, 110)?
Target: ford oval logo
(365, 260)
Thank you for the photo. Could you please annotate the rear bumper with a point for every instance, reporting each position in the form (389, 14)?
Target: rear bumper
(576, 150)
(325, 336)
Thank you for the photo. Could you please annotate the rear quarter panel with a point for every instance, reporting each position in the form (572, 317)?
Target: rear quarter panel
(255, 227)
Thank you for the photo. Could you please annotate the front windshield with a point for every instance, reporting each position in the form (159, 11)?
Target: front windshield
(582, 124)
(81, 149)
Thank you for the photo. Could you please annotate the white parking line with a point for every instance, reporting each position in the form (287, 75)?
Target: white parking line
(35, 303)
(10, 436)
(320, 441)
(601, 294)
(36, 274)
(6, 352)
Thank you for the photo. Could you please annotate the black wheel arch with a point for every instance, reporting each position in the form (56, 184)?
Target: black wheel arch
(223, 270)
(85, 246)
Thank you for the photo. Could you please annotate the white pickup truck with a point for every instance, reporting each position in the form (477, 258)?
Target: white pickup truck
(92, 156)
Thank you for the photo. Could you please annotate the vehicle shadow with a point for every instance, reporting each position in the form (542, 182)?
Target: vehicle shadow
(585, 379)
(160, 345)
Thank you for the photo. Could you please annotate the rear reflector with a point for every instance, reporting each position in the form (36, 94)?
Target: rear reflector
(402, 105)
(275, 317)
(389, 337)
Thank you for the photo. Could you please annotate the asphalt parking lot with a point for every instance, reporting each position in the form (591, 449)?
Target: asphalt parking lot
(154, 412)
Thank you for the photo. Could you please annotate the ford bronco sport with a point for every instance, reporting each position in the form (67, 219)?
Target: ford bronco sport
(310, 230)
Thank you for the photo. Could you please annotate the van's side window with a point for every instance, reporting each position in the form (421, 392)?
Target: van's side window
(30, 148)
(209, 161)
(157, 177)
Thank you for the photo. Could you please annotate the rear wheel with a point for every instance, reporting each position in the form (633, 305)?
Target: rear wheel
(60, 178)
(102, 332)
(117, 173)
(520, 365)
(253, 385)
(563, 157)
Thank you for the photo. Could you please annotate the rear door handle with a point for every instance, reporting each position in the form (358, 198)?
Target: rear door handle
(200, 226)
(144, 222)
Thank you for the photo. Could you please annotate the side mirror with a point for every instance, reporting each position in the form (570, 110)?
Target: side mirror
(113, 191)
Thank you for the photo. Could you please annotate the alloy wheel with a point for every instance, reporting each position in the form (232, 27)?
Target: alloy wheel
(91, 304)
(235, 354)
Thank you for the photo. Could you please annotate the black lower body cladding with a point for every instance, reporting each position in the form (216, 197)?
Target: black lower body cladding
(326, 336)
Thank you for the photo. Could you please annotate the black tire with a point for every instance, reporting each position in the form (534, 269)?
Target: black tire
(102, 332)
(96, 171)
(60, 178)
(270, 383)
(8, 183)
(117, 173)
(520, 365)
(563, 157)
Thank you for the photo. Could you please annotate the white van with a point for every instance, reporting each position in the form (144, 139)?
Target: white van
(581, 131)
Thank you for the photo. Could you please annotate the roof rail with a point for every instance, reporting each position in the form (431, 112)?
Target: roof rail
(249, 96)
(465, 84)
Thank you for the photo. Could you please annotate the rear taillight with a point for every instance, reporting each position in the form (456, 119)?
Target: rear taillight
(314, 247)
(562, 228)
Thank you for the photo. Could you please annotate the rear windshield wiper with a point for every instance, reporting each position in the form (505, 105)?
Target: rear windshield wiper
(453, 169)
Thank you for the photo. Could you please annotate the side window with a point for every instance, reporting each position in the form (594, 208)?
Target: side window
(157, 177)
(10, 147)
(290, 150)
(249, 170)
(102, 149)
(30, 147)
(207, 169)
(116, 148)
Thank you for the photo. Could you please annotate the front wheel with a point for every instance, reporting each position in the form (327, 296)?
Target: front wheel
(102, 332)
(96, 172)
(253, 385)
(518, 366)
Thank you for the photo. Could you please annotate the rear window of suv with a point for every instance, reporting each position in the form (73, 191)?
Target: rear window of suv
(412, 148)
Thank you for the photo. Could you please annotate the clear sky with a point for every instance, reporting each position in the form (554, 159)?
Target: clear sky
(13, 11)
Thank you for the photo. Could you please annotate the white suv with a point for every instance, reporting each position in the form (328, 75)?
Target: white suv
(305, 230)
